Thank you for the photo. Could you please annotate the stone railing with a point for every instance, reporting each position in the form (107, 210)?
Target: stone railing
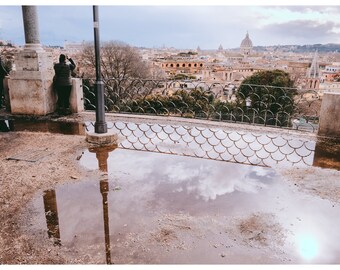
(253, 148)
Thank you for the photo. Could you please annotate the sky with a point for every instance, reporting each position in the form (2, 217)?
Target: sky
(179, 25)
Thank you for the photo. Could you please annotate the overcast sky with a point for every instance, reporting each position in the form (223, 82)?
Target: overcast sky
(180, 26)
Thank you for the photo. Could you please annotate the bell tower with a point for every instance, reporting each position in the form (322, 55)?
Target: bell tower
(313, 74)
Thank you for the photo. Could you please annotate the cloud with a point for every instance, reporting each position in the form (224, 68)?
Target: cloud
(179, 26)
(320, 9)
(303, 30)
(306, 8)
(208, 180)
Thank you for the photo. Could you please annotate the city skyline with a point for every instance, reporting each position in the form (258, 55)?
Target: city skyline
(182, 27)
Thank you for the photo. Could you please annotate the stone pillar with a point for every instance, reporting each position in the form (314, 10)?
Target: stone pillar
(31, 27)
(329, 124)
(30, 84)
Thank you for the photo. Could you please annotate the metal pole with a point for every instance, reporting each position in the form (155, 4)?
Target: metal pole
(100, 125)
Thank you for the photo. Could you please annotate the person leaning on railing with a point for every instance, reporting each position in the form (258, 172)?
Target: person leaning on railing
(3, 74)
(63, 83)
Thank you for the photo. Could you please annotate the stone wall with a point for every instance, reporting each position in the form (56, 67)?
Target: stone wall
(329, 125)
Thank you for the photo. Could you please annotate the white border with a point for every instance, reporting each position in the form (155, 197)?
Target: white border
(175, 2)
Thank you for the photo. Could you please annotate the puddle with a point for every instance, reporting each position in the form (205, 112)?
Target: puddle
(327, 154)
(156, 208)
(68, 128)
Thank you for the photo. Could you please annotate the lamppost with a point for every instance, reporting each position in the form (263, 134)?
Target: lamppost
(248, 102)
(100, 125)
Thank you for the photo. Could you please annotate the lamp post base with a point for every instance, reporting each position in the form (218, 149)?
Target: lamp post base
(100, 127)
(98, 139)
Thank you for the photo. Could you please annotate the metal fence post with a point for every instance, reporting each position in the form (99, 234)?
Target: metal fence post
(100, 125)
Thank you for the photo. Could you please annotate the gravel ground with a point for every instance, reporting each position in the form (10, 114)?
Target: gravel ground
(20, 180)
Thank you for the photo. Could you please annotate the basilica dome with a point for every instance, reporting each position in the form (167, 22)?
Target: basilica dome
(246, 46)
(246, 42)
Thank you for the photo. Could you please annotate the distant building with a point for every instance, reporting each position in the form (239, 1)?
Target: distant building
(73, 48)
(297, 71)
(313, 74)
(330, 73)
(330, 87)
(189, 66)
(246, 46)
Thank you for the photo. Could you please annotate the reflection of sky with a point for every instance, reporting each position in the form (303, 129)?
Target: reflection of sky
(153, 183)
(210, 181)
(204, 178)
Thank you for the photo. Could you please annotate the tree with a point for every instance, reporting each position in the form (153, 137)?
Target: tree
(275, 77)
(268, 96)
(182, 76)
(118, 60)
(122, 69)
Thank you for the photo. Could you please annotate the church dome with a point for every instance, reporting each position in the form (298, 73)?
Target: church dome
(246, 42)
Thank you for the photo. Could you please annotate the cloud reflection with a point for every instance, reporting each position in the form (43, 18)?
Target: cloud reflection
(204, 179)
(208, 181)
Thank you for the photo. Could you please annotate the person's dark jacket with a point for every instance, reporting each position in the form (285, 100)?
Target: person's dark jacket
(3, 71)
(63, 73)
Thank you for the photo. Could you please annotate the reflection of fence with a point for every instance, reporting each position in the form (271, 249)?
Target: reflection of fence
(253, 104)
(217, 144)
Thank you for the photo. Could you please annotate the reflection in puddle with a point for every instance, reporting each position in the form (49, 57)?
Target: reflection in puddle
(102, 153)
(68, 128)
(155, 208)
(104, 190)
(4, 126)
(51, 214)
(327, 154)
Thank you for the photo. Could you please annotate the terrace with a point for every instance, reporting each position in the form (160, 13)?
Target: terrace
(198, 175)
(173, 190)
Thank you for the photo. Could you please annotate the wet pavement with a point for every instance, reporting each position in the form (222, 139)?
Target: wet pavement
(155, 208)
(67, 128)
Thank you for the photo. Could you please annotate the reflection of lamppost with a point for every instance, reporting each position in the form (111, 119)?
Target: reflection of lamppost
(102, 153)
(51, 214)
(104, 190)
(100, 125)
